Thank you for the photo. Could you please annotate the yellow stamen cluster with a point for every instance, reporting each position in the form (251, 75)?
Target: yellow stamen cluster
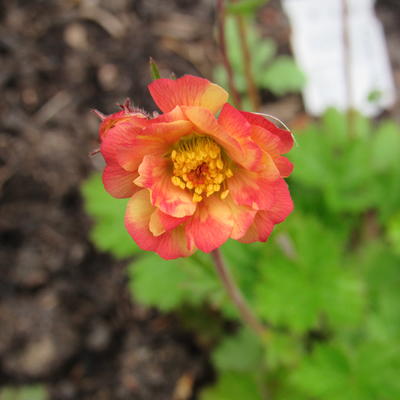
(200, 167)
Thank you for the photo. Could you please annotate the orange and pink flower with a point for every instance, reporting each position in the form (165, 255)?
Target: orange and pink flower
(195, 180)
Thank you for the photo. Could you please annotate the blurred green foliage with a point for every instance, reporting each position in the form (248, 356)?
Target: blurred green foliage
(31, 392)
(276, 73)
(326, 283)
(244, 7)
(109, 232)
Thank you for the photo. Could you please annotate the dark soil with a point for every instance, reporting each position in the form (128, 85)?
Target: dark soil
(66, 317)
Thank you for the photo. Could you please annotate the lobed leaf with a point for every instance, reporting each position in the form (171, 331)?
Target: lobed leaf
(233, 386)
(108, 232)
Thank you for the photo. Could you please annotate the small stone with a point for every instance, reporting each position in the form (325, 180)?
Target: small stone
(75, 35)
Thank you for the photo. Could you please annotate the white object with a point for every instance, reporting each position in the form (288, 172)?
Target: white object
(317, 40)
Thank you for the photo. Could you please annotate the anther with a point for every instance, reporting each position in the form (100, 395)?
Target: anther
(224, 194)
(197, 198)
(199, 167)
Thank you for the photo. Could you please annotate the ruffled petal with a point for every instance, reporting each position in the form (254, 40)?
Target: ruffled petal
(176, 114)
(134, 118)
(155, 174)
(187, 91)
(170, 245)
(268, 142)
(283, 203)
(260, 230)
(137, 218)
(118, 182)
(251, 189)
(265, 220)
(237, 127)
(169, 132)
(206, 124)
(117, 138)
(130, 156)
(161, 222)
(284, 165)
(174, 244)
(242, 218)
(286, 137)
(154, 139)
(211, 225)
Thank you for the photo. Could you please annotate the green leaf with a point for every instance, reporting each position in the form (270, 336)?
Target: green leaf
(233, 386)
(108, 232)
(168, 285)
(324, 374)
(240, 352)
(283, 350)
(386, 146)
(311, 157)
(374, 96)
(154, 71)
(34, 392)
(263, 51)
(283, 76)
(334, 126)
(241, 260)
(245, 7)
(297, 290)
(367, 371)
(362, 126)
(394, 233)
(350, 173)
(380, 266)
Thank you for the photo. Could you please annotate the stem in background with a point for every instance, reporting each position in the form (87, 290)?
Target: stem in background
(246, 57)
(236, 296)
(225, 59)
(347, 67)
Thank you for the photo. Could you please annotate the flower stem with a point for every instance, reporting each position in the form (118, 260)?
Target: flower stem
(236, 296)
(246, 57)
(225, 58)
(347, 67)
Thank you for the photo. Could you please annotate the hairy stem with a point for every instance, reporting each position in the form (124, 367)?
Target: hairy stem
(246, 57)
(236, 296)
(225, 59)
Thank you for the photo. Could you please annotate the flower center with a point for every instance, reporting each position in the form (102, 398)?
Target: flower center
(200, 167)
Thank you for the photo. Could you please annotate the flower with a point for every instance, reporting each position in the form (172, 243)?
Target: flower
(195, 180)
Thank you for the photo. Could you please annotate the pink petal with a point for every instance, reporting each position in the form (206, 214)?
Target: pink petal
(268, 142)
(206, 124)
(283, 203)
(155, 174)
(111, 121)
(130, 156)
(284, 165)
(187, 91)
(161, 222)
(260, 230)
(242, 216)
(118, 182)
(265, 220)
(237, 127)
(285, 136)
(211, 225)
(251, 189)
(118, 137)
(154, 139)
(169, 245)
